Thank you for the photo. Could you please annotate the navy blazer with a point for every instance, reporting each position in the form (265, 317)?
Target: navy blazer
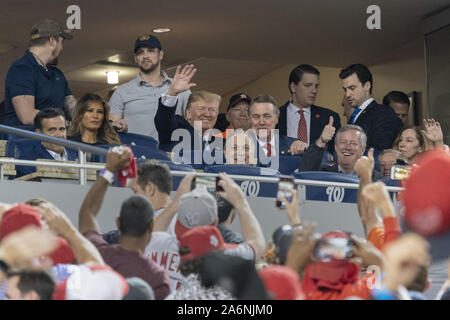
(381, 125)
(38, 151)
(166, 122)
(319, 119)
(284, 144)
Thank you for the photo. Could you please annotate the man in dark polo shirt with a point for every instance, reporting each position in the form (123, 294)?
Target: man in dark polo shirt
(135, 223)
(33, 82)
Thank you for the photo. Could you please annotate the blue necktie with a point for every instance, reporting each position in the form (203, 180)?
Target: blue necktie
(354, 114)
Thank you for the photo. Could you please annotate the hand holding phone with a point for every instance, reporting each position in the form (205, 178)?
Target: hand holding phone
(210, 183)
(285, 184)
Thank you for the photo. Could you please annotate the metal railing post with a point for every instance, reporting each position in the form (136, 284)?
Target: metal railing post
(82, 160)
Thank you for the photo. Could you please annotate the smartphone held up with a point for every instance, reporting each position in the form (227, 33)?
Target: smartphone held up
(285, 185)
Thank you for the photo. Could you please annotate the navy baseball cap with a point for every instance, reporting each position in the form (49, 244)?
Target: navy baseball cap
(147, 40)
(238, 98)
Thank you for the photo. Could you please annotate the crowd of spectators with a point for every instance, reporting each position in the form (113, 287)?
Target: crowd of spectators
(182, 247)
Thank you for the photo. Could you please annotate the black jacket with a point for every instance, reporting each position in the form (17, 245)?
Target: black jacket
(312, 159)
(381, 125)
(319, 119)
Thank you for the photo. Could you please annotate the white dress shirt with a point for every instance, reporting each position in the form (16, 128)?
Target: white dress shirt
(293, 117)
(263, 144)
(57, 156)
(362, 107)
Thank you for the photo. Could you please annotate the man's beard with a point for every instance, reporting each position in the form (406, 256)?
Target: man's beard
(150, 69)
(54, 61)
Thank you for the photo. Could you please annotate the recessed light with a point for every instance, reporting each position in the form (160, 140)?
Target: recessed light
(162, 30)
(112, 77)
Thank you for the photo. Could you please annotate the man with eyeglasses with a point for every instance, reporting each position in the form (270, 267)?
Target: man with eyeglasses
(350, 144)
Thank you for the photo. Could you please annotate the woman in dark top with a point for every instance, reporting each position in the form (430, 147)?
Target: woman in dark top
(90, 122)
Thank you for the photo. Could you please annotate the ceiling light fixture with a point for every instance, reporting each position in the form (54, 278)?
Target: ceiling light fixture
(113, 77)
(162, 30)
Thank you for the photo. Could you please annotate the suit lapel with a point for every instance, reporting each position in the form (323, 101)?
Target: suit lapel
(314, 126)
(282, 120)
(365, 111)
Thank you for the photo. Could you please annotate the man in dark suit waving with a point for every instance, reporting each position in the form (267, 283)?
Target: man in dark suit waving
(379, 122)
(299, 117)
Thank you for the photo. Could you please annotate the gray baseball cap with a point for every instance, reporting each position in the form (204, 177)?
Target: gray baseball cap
(49, 28)
(197, 208)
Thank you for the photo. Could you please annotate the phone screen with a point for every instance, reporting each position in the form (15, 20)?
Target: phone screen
(400, 172)
(285, 184)
(208, 182)
(333, 248)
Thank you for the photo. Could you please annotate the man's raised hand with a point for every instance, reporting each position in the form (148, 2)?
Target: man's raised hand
(182, 80)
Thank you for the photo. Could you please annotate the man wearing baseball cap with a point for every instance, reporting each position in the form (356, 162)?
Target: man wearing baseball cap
(237, 114)
(134, 103)
(33, 82)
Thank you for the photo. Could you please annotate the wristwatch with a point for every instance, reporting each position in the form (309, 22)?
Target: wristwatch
(108, 175)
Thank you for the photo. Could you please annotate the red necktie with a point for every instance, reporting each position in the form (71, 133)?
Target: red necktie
(302, 133)
(269, 149)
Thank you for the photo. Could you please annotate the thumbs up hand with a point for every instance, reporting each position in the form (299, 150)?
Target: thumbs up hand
(327, 134)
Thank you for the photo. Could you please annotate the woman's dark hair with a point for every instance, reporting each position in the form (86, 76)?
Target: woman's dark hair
(105, 133)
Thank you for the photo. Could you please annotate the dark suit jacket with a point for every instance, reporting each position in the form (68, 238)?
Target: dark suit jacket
(319, 119)
(312, 158)
(166, 122)
(38, 151)
(284, 144)
(380, 124)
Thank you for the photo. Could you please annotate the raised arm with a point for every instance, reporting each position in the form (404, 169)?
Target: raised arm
(377, 195)
(83, 249)
(94, 199)
(292, 209)
(69, 104)
(367, 211)
(162, 221)
(18, 248)
(165, 120)
(312, 157)
(250, 227)
(433, 132)
(304, 240)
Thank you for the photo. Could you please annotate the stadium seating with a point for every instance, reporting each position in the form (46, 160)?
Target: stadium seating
(330, 194)
(134, 139)
(250, 188)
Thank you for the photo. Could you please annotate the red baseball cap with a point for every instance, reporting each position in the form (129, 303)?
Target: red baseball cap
(24, 215)
(202, 240)
(282, 282)
(18, 217)
(63, 254)
(426, 199)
